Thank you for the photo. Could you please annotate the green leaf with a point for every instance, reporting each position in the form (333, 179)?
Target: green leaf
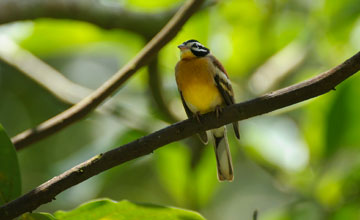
(125, 210)
(10, 182)
(150, 5)
(82, 35)
(37, 216)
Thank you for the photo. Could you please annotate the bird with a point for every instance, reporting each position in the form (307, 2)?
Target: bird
(204, 86)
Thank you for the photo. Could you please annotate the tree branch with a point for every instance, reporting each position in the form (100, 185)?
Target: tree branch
(311, 88)
(103, 14)
(61, 87)
(97, 12)
(85, 106)
(40, 72)
(270, 74)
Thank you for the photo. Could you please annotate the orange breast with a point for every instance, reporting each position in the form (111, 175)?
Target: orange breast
(195, 81)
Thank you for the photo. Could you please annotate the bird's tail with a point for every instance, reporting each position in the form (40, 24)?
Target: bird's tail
(223, 156)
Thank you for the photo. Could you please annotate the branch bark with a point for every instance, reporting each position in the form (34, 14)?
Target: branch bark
(84, 107)
(311, 88)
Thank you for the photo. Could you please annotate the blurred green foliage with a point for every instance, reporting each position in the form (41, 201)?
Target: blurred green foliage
(10, 182)
(301, 162)
(112, 210)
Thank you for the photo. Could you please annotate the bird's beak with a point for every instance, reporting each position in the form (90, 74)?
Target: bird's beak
(182, 47)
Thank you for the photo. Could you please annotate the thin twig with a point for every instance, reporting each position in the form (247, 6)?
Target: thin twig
(255, 215)
(85, 106)
(311, 88)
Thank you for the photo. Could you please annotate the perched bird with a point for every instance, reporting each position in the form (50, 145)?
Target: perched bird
(204, 86)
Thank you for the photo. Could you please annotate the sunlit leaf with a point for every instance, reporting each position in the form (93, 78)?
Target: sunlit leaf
(106, 209)
(37, 216)
(151, 5)
(56, 36)
(10, 183)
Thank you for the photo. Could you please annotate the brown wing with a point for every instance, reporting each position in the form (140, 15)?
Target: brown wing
(224, 86)
(202, 135)
(217, 63)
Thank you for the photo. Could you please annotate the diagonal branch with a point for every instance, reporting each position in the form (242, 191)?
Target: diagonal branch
(61, 87)
(40, 72)
(311, 88)
(89, 103)
(277, 68)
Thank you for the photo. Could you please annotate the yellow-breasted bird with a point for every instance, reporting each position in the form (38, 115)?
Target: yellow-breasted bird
(204, 86)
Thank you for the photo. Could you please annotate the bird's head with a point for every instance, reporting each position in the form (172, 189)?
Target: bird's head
(192, 49)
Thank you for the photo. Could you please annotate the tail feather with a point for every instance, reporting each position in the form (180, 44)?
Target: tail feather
(236, 129)
(223, 156)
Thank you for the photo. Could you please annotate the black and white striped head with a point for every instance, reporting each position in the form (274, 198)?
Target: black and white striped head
(192, 48)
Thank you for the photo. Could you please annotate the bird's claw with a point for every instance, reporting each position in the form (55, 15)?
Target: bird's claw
(218, 110)
(197, 116)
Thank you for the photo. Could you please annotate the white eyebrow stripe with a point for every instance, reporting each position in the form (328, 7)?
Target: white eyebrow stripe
(196, 43)
(199, 49)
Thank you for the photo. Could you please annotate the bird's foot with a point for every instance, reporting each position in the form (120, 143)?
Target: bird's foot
(198, 117)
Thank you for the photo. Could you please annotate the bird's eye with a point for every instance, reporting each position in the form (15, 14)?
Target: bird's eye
(196, 46)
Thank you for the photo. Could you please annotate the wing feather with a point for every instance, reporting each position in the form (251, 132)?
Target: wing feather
(224, 86)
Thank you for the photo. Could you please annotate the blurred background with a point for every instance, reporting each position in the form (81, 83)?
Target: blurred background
(301, 162)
